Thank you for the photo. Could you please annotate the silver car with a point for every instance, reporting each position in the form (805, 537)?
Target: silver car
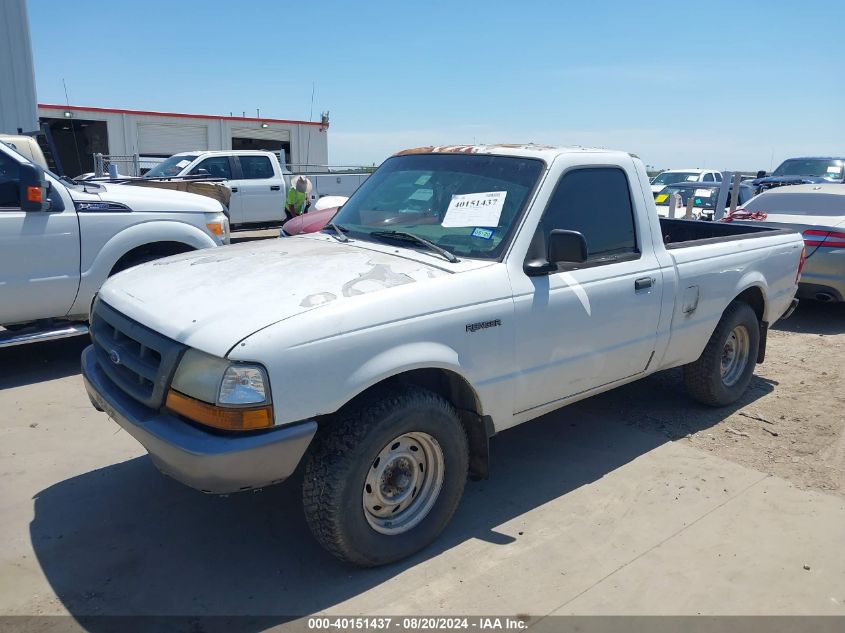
(818, 212)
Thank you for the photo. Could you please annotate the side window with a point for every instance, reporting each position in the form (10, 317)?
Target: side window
(216, 166)
(718, 176)
(10, 180)
(597, 203)
(255, 167)
(708, 177)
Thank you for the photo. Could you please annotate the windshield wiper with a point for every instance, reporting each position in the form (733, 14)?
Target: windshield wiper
(405, 235)
(339, 232)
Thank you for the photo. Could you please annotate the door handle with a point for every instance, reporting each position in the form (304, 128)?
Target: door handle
(275, 187)
(643, 282)
(234, 190)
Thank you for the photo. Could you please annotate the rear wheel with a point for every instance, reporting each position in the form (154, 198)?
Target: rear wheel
(723, 371)
(384, 479)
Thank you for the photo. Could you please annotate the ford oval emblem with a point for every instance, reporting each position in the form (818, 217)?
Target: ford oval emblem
(114, 357)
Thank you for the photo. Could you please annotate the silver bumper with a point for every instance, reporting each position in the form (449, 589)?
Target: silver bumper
(210, 462)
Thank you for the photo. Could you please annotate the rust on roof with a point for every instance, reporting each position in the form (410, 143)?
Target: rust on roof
(469, 149)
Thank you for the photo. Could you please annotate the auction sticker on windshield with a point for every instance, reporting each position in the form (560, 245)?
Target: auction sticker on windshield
(475, 209)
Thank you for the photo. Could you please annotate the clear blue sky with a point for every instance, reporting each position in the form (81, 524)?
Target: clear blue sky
(735, 86)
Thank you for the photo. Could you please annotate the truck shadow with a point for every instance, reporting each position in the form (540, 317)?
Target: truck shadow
(814, 317)
(38, 362)
(124, 540)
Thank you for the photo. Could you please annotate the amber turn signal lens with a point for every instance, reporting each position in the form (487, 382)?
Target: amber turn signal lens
(34, 194)
(246, 419)
(216, 228)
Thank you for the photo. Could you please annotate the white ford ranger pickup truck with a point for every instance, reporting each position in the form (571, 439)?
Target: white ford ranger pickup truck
(460, 291)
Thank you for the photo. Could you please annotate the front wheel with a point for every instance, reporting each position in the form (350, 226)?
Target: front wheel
(723, 371)
(384, 479)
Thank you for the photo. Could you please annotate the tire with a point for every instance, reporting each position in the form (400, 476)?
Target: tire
(380, 443)
(723, 371)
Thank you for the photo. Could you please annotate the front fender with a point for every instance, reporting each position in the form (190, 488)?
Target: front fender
(308, 382)
(97, 263)
(399, 360)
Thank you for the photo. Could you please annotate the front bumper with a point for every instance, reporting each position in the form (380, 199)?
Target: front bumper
(212, 463)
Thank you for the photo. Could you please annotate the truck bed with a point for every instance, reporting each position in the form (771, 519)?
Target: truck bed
(681, 233)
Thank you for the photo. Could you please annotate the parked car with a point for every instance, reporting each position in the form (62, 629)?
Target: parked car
(806, 170)
(258, 183)
(672, 176)
(523, 278)
(704, 197)
(60, 240)
(818, 212)
(313, 221)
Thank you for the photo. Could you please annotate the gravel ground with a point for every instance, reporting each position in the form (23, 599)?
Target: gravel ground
(637, 501)
(790, 423)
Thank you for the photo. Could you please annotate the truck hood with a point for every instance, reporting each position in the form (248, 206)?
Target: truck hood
(781, 181)
(149, 199)
(211, 300)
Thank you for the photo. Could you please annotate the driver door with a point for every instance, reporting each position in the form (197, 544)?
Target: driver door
(591, 324)
(39, 253)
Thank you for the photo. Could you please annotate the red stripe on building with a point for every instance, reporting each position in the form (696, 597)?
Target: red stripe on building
(178, 115)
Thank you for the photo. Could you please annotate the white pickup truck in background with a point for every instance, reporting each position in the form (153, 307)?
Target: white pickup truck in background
(60, 240)
(460, 291)
(259, 183)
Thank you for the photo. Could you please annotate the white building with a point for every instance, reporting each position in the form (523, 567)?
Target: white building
(80, 131)
(17, 76)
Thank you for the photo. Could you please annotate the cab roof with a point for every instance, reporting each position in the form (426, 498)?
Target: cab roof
(692, 170)
(527, 150)
(202, 152)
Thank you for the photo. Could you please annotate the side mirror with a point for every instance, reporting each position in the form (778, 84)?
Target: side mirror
(33, 188)
(564, 247)
(567, 247)
(761, 174)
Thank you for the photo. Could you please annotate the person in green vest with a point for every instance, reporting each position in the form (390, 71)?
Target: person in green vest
(297, 200)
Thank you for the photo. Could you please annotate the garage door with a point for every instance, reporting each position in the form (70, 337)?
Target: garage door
(266, 134)
(170, 138)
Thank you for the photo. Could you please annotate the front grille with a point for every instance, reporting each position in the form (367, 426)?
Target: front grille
(138, 360)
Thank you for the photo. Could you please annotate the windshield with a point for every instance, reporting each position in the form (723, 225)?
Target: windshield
(467, 204)
(668, 177)
(173, 166)
(817, 167)
(805, 203)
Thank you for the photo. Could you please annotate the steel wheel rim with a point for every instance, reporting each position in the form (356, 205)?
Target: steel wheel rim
(403, 483)
(735, 355)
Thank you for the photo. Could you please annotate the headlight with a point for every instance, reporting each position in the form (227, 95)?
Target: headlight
(220, 393)
(243, 384)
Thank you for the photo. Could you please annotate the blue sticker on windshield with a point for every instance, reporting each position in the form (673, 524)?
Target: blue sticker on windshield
(484, 234)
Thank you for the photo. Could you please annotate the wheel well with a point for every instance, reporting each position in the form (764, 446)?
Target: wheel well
(149, 252)
(753, 296)
(454, 388)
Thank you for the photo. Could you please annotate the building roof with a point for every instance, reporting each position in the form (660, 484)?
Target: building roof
(53, 106)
